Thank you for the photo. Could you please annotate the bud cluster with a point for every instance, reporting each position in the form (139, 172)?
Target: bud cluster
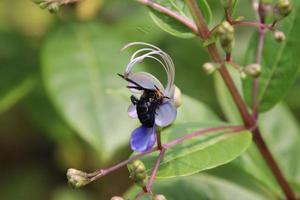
(225, 32)
(137, 171)
(52, 5)
(282, 9)
(77, 178)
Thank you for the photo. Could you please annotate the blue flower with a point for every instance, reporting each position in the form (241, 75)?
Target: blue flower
(143, 138)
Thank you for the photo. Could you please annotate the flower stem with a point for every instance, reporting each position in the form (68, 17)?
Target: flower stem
(166, 11)
(158, 139)
(254, 24)
(202, 132)
(155, 169)
(102, 172)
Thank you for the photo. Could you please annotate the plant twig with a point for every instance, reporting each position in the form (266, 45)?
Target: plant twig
(155, 169)
(172, 14)
(202, 132)
(102, 172)
(246, 116)
(158, 139)
(254, 24)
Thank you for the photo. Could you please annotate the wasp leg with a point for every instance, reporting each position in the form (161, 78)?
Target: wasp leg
(134, 100)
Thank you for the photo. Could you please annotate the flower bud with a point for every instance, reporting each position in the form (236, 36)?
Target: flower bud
(117, 198)
(177, 97)
(53, 8)
(77, 178)
(137, 171)
(227, 3)
(252, 70)
(279, 36)
(243, 75)
(159, 197)
(51, 5)
(282, 9)
(210, 68)
(226, 35)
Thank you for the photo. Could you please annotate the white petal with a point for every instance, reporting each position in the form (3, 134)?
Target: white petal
(145, 80)
(165, 114)
(132, 111)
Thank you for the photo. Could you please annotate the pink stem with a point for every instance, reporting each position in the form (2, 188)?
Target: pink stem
(175, 15)
(155, 169)
(102, 172)
(254, 24)
(201, 132)
(259, 52)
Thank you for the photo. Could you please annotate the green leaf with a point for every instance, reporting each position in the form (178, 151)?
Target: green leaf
(200, 153)
(280, 62)
(200, 187)
(171, 25)
(224, 97)
(52, 124)
(281, 132)
(194, 111)
(80, 63)
(17, 65)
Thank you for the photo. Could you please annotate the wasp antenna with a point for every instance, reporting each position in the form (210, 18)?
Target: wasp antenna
(121, 75)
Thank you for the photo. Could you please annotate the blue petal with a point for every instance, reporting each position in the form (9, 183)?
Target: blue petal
(143, 138)
(165, 114)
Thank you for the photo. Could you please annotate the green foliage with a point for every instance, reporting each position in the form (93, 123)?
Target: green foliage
(200, 187)
(172, 26)
(194, 111)
(280, 62)
(17, 65)
(281, 132)
(78, 79)
(200, 153)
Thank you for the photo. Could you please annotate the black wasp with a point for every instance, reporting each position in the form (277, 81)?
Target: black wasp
(149, 101)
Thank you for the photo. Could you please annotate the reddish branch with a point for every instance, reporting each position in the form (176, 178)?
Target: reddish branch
(248, 119)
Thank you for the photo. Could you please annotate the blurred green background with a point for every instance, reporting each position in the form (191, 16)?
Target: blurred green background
(37, 143)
